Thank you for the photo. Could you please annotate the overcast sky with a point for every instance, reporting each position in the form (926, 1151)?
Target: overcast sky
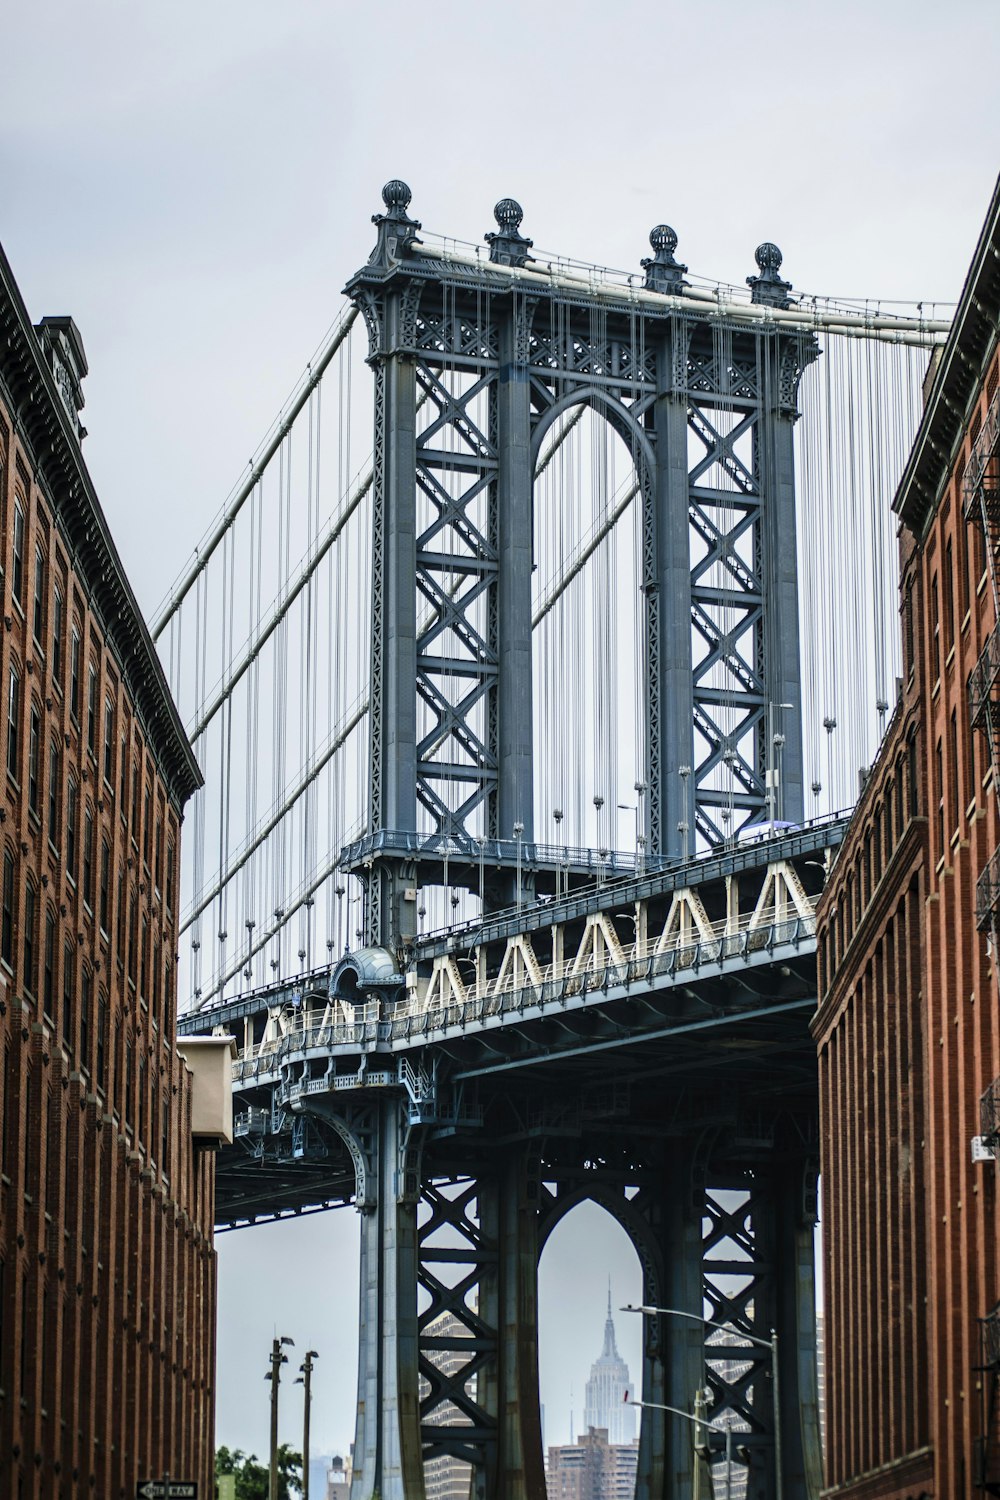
(193, 182)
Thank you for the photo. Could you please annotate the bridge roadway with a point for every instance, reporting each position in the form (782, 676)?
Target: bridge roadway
(617, 988)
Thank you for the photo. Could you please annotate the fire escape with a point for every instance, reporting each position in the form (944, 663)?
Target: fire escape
(981, 494)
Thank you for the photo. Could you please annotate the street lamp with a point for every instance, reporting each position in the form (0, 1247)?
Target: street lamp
(750, 1338)
(557, 817)
(684, 826)
(700, 1420)
(518, 831)
(274, 1376)
(775, 742)
(304, 1380)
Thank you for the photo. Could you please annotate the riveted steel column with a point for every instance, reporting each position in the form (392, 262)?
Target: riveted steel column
(515, 794)
(509, 1215)
(795, 1290)
(675, 684)
(775, 464)
(388, 1462)
(674, 1363)
(394, 674)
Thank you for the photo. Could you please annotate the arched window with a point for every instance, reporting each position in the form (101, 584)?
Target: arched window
(69, 993)
(29, 976)
(17, 561)
(7, 921)
(13, 719)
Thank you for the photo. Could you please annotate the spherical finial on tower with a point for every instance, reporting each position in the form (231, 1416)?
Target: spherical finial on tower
(768, 257)
(396, 195)
(768, 287)
(662, 237)
(508, 246)
(508, 214)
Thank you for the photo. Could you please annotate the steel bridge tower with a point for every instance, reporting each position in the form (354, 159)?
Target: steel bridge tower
(501, 351)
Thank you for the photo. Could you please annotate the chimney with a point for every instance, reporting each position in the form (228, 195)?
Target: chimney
(62, 348)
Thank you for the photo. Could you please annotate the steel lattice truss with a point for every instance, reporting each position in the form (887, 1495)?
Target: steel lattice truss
(471, 373)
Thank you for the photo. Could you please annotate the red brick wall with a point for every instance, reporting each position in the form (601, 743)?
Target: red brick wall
(909, 1038)
(107, 1294)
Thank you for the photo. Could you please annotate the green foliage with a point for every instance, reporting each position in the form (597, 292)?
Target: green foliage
(252, 1476)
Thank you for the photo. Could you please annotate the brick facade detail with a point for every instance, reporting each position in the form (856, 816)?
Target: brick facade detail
(107, 1266)
(908, 1027)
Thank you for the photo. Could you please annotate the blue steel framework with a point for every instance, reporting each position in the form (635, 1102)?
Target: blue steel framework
(643, 1044)
(502, 352)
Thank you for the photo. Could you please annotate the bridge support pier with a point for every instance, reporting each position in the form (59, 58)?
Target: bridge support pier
(388, 1461)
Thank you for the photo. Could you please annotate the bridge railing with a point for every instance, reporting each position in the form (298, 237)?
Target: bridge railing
(572, 978)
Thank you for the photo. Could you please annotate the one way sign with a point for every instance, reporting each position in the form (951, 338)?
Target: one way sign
(164, 1489)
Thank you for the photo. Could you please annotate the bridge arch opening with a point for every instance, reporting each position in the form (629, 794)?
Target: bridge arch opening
(589, 1355)
(588, 641)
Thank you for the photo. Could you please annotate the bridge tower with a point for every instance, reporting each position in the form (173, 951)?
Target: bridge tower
(474, 360)
(498, 350)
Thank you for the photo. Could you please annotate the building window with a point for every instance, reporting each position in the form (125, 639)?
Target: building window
(102, 1032)
(49, 966)
(57, 636)
(133, 940)
(939, 795)
(109, 741)
(85, 1018)
(13, 719)
(953, 772)
(38, 603)
(128, 1083)
(71, 802)
(170, 876)
(88, 859)
(17, 570)
(92, 710)
(142, 1099)
(29, 977)
(34, 733)
(147, 825)
(7, 925)
(74, 674)
(165, 1144)
(144, 962)
(158, 857)
(105, 915)
(54, 792)
(935, 628)
(69, 991)
(156, 980)
(949, 595)
(135, 804)
(123, 788)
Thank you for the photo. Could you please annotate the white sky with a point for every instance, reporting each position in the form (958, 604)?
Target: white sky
(193, 183)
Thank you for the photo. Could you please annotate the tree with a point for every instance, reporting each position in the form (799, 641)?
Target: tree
(252, 1477)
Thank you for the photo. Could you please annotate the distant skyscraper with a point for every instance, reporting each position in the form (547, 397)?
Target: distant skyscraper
(605, 1406)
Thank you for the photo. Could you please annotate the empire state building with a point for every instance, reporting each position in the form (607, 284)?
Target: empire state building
(605, 1404)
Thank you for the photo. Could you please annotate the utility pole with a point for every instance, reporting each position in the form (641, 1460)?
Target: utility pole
(304, 1380)
(278, 1358)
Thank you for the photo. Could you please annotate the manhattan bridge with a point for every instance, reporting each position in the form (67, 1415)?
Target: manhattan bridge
(533, 666)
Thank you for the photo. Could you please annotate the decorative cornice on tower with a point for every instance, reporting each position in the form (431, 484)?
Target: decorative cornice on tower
(768, 288)
(508, 246)
(663, 272)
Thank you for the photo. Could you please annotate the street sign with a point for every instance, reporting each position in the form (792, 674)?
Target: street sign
(166, 1489)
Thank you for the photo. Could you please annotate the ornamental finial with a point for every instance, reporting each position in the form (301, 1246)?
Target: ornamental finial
(663, 272)
(397, 232)
(508, 246)
(768, 287)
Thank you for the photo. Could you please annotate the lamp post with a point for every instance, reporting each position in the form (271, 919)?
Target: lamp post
(700, 1420)
(684, 826)
(751, 1338)
(557, 817)
(274, 1376)
(305, 1380)
(775, 743)
(518, 831)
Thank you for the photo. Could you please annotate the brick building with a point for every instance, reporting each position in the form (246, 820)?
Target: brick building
(107, 1267)
(908, 1026)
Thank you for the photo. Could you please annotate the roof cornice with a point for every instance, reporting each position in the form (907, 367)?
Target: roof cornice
(956, 382)
(43, 427)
